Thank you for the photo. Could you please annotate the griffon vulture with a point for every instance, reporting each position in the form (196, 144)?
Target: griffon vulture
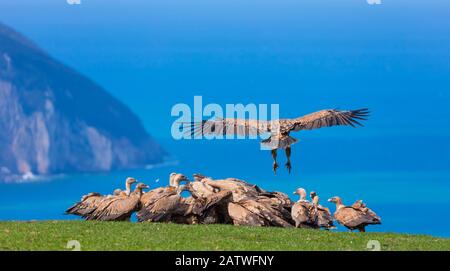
(91, 201)
(249, 212)
(324, 217)
(208, 208)
(278, 131)
(163, 204)
(129, 181)
(354, 217)
(118, 208)
(304, 213)
(175, 179)
(239, 188)
(250, 205)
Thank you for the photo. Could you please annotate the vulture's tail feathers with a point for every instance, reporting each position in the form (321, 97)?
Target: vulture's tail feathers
(277, 143)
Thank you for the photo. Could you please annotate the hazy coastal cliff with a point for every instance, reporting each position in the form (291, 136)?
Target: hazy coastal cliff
(54, 120)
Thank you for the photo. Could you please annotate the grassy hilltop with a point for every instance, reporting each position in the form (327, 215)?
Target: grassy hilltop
(54, 235)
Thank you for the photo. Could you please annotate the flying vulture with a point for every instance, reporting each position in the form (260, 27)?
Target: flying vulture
(276, 131)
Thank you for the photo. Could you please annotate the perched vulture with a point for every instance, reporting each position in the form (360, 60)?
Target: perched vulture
(86, 205)
(304, 213)
(209, 209)
(359, 204)
(278, 201)
(354, 217)
(324, 217)
(163, 205)
(243, 217)
(278, 131)
(175, 179)
(127, 191)
(239, 188)
(276, 198)
(91, 201)
(249, 212)
(201, 189)
(249, 205)
(118, 208)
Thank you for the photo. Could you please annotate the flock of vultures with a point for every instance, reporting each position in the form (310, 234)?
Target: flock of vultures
(228, 201)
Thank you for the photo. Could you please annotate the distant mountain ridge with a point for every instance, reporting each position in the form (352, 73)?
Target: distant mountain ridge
(54, 120)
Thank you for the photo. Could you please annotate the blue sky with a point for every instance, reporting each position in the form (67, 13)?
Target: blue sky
(304, 55)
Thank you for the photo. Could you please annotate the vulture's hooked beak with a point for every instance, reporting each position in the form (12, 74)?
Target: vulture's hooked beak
(331, 200)
(295, 193)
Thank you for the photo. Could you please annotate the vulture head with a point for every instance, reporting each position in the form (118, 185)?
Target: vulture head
(337, 200)
(314, 197)
(140, 187)
(176, 179)
(301, 192)
(130, 181)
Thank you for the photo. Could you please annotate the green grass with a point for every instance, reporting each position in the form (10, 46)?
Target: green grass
(54, 235)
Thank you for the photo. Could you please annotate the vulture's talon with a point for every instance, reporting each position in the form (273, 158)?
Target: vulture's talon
(289, 167)
(275, 167)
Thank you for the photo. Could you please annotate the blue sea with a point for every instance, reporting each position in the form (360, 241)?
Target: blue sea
(393, 58)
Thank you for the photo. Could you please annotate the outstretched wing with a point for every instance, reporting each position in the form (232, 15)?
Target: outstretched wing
(328, 118)
(241, 127)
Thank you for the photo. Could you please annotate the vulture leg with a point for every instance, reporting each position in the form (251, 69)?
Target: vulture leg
(274, 156)
(362, 229)
(288, 156)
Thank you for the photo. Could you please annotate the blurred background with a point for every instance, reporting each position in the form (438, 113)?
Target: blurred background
(308, 55)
